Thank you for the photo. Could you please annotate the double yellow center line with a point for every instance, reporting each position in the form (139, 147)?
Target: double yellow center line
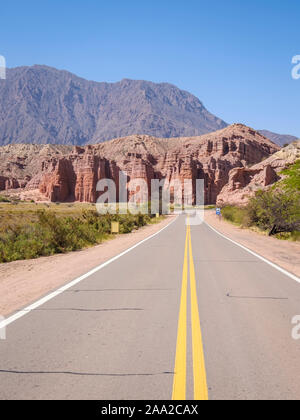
(199, 373)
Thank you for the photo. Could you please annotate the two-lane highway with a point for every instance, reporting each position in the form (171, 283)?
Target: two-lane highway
(186, 314)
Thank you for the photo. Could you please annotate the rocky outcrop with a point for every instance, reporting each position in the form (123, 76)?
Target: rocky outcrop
(244, 182)
(71, 174)
(8, 183)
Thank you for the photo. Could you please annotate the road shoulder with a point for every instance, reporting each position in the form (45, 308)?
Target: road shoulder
(283, 253)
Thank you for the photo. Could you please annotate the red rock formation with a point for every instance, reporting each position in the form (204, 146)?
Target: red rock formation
(244, 182)
(59, 182)
(72, 173)
(8, 183)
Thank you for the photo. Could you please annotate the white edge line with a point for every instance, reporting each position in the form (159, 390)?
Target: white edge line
(57, 292)
(282, 270)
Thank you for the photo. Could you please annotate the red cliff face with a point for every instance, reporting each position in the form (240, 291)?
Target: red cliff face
(72, 174)
(7, 183)
(244, 182)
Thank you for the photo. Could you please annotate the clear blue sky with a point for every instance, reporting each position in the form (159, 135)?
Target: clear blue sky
(235, 55)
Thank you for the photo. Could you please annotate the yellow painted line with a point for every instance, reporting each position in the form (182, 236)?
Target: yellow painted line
(179, 384)
(200, 382)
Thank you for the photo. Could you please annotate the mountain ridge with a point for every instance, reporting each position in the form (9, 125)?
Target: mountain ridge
(280, 139)
(43, 105)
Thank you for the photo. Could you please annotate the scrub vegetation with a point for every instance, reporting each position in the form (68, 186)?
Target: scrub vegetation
(29, 231)
(276, 210)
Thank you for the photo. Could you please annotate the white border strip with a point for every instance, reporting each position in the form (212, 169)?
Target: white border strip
(282, 270)
(57, 292)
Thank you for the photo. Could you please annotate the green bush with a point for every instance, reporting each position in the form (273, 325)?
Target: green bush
(50, 234)
(276, 211)
(292, 177)
(235, 215)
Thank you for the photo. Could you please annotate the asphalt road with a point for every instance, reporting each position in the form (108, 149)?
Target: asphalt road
(186, 314)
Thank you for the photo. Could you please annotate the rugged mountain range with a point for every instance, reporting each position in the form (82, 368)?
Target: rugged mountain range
(280, 139)
(65, 173)
(42, 105)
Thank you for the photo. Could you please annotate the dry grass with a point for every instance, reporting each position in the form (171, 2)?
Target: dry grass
(29, 230)
(22, 213)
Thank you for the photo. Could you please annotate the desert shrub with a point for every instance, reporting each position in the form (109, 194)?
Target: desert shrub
(277, 211)
(236, 215)
(47, 233)
(4, 199)
(291, 181)
(295, 236)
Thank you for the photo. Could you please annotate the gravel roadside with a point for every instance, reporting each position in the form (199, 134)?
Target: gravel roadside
(286, 254)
